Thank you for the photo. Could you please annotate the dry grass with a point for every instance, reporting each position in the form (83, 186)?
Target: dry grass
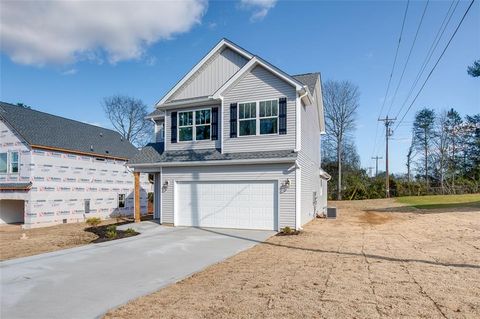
(377, 259)
(42, 240)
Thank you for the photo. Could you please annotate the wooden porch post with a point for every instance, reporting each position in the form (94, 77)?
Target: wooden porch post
(136, 202)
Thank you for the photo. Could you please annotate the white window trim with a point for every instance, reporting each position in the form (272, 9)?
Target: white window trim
(9, 163)
(258, 118)
(193, 126)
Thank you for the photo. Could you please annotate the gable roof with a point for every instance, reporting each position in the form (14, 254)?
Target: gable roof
(253, 60)
(41, 129)
(308, 79)
(224, 43)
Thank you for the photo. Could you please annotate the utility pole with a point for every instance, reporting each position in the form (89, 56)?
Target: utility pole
(388, 132)
(376, 158)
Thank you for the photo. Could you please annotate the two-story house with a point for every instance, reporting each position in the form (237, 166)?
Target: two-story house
(238, 145)
(55, 170)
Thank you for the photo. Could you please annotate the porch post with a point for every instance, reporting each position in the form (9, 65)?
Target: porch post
(136, 195)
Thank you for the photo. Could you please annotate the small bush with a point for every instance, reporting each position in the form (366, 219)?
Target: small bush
(287, 230)
(130, 231)
(93, 221)
(112, 228)
(111, 234)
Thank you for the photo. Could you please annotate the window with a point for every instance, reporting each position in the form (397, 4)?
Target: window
(268, 114)
(3, 163)
(247, 118)
(121, 200)
(202, 125)
(194, 125)
(265, 121)
(185, 126)
(14, 162)
(9, 162)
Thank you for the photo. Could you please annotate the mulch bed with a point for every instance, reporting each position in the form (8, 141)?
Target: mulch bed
(101, 232)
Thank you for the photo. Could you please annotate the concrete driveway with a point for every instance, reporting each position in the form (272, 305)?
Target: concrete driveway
(86, 282)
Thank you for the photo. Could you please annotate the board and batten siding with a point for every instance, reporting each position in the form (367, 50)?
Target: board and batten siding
(309, 160)
(259, 84)
(213, 74)
(277, 172)
(190, 145)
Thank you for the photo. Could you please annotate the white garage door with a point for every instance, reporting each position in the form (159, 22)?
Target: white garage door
(235, 204)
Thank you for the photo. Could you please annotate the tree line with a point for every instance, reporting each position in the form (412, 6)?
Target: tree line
(443, 158)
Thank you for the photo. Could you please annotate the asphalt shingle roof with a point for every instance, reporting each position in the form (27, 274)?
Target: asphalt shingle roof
(153, 153)
(43, 129)
(308, 79)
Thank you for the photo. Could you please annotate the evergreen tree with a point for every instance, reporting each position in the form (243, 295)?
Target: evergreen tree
(424, 135)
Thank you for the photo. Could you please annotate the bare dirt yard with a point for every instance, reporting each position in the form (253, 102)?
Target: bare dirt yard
(46, 239)
(378, 259)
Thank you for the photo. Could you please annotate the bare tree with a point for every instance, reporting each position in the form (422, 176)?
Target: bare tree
(127, 115)
(341, 101)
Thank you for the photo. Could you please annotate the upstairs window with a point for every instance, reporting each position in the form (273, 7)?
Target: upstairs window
(194, 125)
(14, 162)
(247, 118)
(268, 114)
(3, 163)
(185, 126)
(258, 118)
(202, 125)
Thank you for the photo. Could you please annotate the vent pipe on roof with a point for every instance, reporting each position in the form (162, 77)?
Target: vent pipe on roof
(91, 147)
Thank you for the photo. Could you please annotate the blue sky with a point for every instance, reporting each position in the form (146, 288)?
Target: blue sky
(344, 40)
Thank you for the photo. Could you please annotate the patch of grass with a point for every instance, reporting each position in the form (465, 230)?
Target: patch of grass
(441, 201)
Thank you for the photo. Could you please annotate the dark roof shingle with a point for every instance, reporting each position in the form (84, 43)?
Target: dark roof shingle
(308, 79)
(43, 129)
(153, 153)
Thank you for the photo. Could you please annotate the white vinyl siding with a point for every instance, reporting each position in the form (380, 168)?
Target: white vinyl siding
(270, 172)
(309, 159)
(259, 85)
(213, 74)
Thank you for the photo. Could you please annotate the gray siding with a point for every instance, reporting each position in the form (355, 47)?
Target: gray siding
(190, 144)
(216, 71)
(309, 159)
(278, 172)
(259, 84)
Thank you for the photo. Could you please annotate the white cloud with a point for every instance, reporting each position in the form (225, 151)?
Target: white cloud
(70, 72)
(260, 7)
(61, 32)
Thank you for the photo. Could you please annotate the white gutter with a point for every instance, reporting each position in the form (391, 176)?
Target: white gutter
(215, 162)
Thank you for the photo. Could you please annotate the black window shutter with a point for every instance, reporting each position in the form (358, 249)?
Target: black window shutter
(215, 123)
(233, 120)
(282, 115)
(173, 128)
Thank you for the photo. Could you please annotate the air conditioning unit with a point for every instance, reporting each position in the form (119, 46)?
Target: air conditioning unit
(331, 212)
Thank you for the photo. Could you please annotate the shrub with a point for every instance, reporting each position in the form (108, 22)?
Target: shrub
(93, 221)
(111, 234)
(287, 230)
(112, 228)
(130, 231)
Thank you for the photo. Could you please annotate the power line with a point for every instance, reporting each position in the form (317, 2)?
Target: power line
(438, 60)
(430, 52)
(409, 55)
(391, 73)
